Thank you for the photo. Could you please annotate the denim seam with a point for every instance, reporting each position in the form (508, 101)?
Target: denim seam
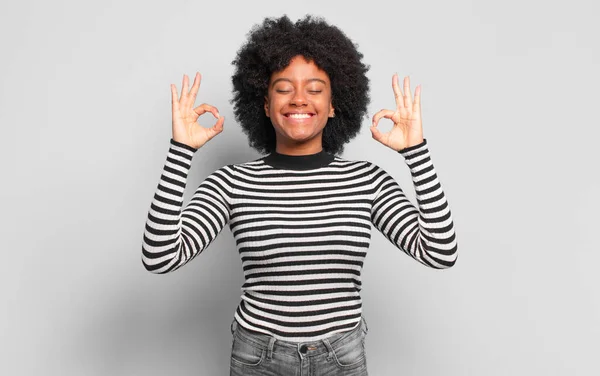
(359, 362)
(249, 341)
(350, 334)
(239, 362)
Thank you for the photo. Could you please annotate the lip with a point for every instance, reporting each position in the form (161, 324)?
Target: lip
(287, 114)
(306, 120)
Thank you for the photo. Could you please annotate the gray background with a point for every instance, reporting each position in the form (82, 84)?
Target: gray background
(510, 99)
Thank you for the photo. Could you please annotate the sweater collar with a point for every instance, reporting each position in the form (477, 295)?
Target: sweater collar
(299, 162)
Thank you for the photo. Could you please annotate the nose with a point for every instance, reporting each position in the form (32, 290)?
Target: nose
(299, 99)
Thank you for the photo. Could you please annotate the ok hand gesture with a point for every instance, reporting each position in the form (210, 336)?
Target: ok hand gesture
(407, 130)
(185, 128)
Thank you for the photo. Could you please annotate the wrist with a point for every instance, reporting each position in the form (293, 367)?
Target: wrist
(183, 145)
(413, 146)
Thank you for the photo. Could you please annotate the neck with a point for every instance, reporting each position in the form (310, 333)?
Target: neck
(287, 146)
(299, 162)
(299, 149)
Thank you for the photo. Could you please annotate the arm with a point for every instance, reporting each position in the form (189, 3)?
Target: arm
(173, 236)
(427, 233)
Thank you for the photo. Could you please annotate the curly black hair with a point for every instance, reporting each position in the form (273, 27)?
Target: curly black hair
(270, 48)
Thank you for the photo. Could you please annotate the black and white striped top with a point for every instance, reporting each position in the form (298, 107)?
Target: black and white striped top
(302, 226)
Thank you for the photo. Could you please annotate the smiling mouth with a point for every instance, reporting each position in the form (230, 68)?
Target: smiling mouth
(299, 116)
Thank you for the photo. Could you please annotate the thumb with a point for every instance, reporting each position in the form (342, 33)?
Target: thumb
(218, 127)
(377, 135)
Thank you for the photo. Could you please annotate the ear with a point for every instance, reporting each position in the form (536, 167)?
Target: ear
(266, 106)
(331, 111)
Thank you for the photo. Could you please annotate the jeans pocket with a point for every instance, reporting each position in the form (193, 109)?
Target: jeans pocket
(365, 327)
(246, 354)
(350, 354)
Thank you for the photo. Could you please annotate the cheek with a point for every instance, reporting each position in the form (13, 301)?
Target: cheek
(273, 105)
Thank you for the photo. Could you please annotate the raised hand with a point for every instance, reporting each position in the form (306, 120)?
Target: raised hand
(186, 129)
(407, 130)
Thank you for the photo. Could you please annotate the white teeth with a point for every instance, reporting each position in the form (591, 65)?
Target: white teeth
(299, 116)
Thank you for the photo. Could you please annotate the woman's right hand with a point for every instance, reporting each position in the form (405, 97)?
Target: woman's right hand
(186, 129)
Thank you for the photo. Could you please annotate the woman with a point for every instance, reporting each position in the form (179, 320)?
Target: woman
(301, 216)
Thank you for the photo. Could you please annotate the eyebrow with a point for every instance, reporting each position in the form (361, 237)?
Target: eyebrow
(288, 80)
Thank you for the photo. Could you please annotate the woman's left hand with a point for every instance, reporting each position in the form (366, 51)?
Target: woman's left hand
(407, 130)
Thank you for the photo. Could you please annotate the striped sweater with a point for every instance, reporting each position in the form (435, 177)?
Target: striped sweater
(302, 226)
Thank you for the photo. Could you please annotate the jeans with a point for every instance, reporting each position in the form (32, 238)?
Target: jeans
(255, 353)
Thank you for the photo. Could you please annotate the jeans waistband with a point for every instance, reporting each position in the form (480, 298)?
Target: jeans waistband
(310, 348)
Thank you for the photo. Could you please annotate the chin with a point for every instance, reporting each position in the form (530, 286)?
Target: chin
(298, 133)
(300, 136)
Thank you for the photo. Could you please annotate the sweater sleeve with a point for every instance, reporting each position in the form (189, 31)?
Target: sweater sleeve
(425, 233)
(173, 236)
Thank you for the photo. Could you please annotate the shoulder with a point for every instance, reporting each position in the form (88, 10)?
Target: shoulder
(241, 170)
(249, 167)
(342, 161)
(358, 167)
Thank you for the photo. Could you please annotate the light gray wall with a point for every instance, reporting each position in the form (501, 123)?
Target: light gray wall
(510, 110)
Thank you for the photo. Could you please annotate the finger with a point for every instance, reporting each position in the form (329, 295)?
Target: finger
(174, 99)
(407, 93)
(204, 107)
(397, 93)
(195, 88)
(185, 85)
(217, 128)
(417, 104)
(382, 114)
(184, 92)
(376, 133)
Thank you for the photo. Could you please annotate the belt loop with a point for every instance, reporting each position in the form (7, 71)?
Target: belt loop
(329, 349)
(270, 348)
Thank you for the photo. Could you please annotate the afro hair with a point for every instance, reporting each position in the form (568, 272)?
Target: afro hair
(270, 48)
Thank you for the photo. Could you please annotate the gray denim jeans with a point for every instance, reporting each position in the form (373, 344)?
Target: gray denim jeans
(255, 353)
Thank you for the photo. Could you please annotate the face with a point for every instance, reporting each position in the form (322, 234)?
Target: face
(299, 104)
